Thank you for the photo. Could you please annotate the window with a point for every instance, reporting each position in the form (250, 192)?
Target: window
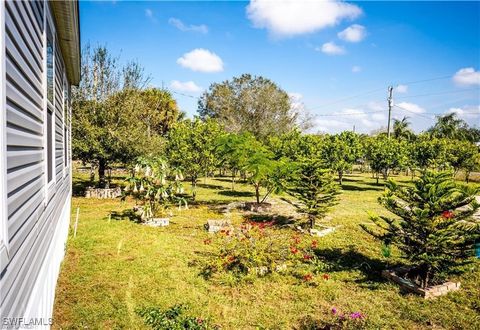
(50, 62)
(50, 104)
(65, 123)
(49, 145)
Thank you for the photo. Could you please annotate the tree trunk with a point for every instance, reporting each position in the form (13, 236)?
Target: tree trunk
(194, 187)
(385, 174)
(340, 177)
(377, 175)
(311, 219)
(257, 193)
(92, 172)
(102, 164)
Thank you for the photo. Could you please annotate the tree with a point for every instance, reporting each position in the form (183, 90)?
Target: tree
(450, 126)
(427, 152)
(249, 104)
(433, 225)
(108, 112)
(295, 146)
(340, 152)
(159, 110)
(313, 185)
(234, 150)
(401, 130)
(191, 147)
(462, 155)
(265, 172)
(384, 154)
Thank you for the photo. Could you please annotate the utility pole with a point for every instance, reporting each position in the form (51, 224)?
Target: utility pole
(390, 104)
(353, 128)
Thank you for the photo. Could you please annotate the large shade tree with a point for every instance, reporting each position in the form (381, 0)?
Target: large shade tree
(109, 111)
(249, 104)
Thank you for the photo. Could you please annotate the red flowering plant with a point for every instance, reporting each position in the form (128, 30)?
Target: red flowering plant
(258, 249)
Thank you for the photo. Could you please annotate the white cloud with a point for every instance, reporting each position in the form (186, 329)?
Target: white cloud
(330, 48)
(287, 18)
(467, 113)
(201, 60)
(148, 13)
(376, 106)
(354, 33)
(187, 28)
(331, 125)
(187, 86)
(356, 69)
(411, 107)
(378, 116)
(467, 76)
(401, 89)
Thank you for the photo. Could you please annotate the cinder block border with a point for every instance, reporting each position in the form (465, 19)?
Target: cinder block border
(430, 292)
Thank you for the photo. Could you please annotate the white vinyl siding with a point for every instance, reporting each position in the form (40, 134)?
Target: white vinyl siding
(33, 203)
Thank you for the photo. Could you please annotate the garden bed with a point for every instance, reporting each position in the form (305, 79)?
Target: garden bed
(397, 275)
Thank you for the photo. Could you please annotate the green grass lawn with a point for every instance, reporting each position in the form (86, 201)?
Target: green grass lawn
(112, 268)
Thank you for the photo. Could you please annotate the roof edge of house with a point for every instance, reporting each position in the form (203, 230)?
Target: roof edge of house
(66, 14)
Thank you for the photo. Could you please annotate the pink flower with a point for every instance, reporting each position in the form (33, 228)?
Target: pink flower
(334, 311)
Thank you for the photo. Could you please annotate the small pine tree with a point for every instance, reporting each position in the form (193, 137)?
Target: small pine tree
(315, 188)
(434, 226)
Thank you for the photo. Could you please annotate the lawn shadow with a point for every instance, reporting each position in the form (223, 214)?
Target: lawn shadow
(277, 219)
(79, 186)
(234, 193)
(338, 260)
(210, 186)
(126, 214)
(349, 187)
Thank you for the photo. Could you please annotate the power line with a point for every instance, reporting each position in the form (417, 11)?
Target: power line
(186, 95)
(412, 112)
(348, 114)
(377, 90)
(425, 80)
(439, 93)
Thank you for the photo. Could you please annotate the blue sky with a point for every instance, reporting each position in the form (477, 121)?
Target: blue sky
(336, 59)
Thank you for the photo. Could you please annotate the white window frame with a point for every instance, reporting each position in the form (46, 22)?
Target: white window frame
(4, 246)
(48, 24)
(66, 99)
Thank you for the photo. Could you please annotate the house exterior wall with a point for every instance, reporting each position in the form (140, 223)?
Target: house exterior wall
(34, 208)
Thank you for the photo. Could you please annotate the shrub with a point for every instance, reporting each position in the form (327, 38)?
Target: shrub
(434, 227)
(256, 249)
(173, 318)
(155, 184)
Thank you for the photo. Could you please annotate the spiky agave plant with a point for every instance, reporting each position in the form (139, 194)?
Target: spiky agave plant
(434, 228)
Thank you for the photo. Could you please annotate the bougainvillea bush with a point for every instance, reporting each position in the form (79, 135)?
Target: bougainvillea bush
(259, 249)
(433, 227)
